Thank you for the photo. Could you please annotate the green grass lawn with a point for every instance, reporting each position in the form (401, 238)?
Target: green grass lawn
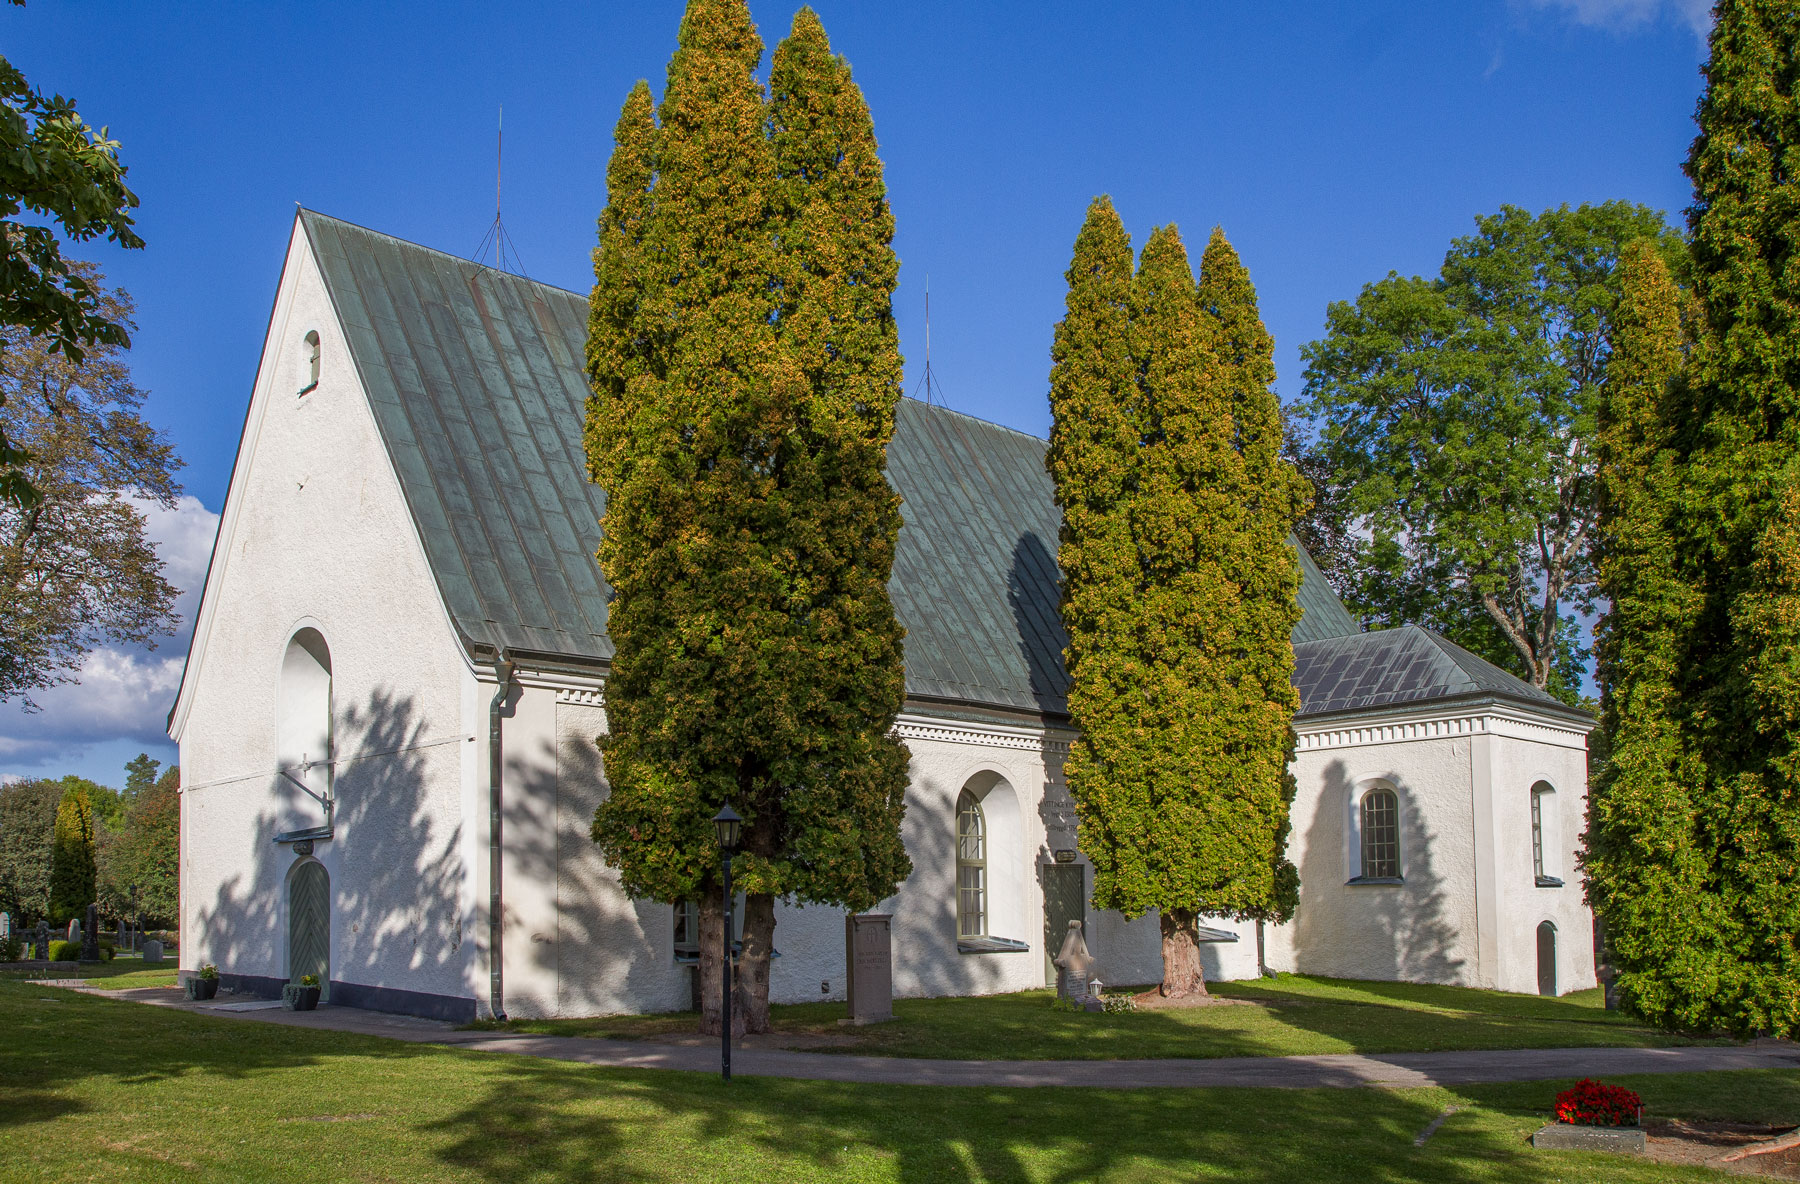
(94, 1088)
(1292, 1015)
(126, 970)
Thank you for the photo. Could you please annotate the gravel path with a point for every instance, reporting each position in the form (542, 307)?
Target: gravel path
(1345, 1069)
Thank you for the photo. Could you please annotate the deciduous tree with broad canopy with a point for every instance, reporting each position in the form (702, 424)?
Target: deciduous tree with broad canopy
(1178, 585)
(77, 568)
(1454, 415)
(55, 167)
(745, 368)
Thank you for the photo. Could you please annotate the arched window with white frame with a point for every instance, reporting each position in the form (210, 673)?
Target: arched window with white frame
(1544, 844)
(1374, 848)
(971, 867)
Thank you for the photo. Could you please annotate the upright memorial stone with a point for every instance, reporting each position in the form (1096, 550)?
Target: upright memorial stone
(73, 933)
(152, 952)
(42, 942)
(90, 935)
(5, 926)
(869, 969)
(1074, 970)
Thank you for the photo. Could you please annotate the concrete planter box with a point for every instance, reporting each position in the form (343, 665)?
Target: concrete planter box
(1566, 1136)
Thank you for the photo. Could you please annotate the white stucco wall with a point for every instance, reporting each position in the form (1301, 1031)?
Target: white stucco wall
(315, 533)
(1467, 911)
(1523, 756)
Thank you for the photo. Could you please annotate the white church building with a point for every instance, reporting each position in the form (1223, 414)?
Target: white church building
(403, 597)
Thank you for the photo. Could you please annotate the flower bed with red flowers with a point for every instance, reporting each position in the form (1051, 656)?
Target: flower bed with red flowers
(1594, 1103)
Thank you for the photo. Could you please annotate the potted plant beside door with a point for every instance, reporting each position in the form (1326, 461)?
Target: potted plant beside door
(203, 984)
(303, 995)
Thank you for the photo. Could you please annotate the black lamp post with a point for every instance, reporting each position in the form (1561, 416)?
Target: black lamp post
(728, 824)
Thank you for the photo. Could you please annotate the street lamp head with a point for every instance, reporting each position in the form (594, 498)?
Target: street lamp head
(727, 823)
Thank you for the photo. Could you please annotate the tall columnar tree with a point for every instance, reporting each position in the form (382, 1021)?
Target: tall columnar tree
(1644, 876)
(1178, 585)
(27, 836)
(72, 856)
(1275, 496)
(1096, 430)
(745, 372)
(1702, 906)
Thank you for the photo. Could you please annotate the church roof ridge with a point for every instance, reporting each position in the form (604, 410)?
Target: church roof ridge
(476, 380)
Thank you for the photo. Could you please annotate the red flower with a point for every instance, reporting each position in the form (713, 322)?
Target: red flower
(1593, 1103)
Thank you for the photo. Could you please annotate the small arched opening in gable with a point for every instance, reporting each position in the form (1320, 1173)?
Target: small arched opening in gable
(312, 360)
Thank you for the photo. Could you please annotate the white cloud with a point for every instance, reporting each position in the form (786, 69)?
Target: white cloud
(125, 692)
(1630, 15)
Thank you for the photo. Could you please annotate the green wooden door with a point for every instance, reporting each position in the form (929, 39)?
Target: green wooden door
(309, 925)
(1065, 900)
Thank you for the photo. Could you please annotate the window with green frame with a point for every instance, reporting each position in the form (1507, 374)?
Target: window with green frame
(971, 867)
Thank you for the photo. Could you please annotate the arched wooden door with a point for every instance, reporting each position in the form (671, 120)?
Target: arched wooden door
(1546, 934)
(309, 924)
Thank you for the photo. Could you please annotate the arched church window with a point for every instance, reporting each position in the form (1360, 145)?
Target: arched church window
(1380, 835)
(303, 730)
(312, 361)
(971, 867)
(1543, 835)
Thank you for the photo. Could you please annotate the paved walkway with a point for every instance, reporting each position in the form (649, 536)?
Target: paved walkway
(1347, 1069)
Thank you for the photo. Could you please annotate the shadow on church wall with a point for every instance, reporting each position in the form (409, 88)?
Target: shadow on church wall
(397, 892)
(1395, 932)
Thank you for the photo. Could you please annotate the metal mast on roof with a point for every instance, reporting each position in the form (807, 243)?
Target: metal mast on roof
(506, 252)
(929, 388)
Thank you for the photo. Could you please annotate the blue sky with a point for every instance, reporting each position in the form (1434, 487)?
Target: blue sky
(1332, 141)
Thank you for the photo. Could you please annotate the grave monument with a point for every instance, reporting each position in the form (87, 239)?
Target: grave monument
(869, 969)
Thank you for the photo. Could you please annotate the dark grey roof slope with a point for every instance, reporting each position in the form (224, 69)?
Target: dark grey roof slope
(476, 382)
(1392, 667)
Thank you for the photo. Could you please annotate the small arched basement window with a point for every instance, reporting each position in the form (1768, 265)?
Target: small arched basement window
(971, 867)
(1380, 835)
(312, 361)
(1543, 835)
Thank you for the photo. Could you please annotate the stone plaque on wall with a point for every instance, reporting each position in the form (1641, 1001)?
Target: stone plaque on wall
(869, 969)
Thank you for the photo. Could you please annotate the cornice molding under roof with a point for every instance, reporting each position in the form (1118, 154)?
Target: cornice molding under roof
(1471, 715)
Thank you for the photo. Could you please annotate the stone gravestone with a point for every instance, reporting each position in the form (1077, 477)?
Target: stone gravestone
(152, 952)
(90, 935)
(1074, 970)
(74, 930)
(42, 942)
(5, 926)
(869, 969)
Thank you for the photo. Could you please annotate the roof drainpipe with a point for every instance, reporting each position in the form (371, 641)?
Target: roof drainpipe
(503, 672)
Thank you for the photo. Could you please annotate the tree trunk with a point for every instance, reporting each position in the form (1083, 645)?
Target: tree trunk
(712, 969)
(753, 965)
(1183, 976)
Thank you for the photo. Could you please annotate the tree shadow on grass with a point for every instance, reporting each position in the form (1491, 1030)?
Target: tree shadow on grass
(564, 1122)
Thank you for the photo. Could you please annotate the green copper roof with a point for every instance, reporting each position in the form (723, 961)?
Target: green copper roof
(476, 382)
